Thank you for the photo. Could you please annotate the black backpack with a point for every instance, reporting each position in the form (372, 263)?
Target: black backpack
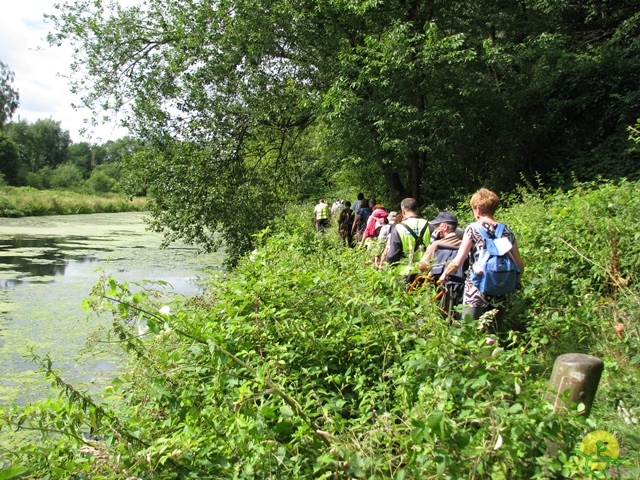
(419, 245)
(444, 255)
(347, 216)
(454, 285)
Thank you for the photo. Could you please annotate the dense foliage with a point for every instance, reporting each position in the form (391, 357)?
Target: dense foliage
(304, 362)
(249, 104)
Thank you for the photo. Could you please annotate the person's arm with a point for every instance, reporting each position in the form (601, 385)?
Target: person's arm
(423, 264)
(515, 254)
(453, 265)
(355, 222)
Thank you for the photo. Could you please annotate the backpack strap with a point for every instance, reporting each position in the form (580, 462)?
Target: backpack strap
(418, 238)
(482, 231)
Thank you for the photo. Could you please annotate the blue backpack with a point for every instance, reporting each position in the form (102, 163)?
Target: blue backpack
(499, 271)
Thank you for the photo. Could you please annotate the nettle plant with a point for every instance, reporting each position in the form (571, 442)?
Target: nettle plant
(305, 362)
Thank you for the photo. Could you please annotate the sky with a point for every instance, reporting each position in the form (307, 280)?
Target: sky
(40, 69)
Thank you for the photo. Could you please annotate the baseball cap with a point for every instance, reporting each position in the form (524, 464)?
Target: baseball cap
(444, 217)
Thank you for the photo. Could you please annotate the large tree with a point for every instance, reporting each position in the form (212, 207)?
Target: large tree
(220, 91)
(42, 143)
(9, 99)
(432, 97)
(10, 165)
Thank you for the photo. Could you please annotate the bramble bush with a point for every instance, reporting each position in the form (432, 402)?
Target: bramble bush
(305, 363)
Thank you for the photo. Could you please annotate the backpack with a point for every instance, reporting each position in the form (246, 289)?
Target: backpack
(499, 272)
(454, 285)
(442, 256)
(346, 219)
(364, 218)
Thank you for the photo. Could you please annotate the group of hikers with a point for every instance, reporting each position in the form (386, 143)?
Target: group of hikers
(476, 267)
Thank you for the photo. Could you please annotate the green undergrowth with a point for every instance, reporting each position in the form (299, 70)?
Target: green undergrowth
(28, 202)
(305, 362)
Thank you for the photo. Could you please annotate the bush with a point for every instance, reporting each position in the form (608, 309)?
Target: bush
(66, 175)
(100, 182)
(40, 179)
(28, 201)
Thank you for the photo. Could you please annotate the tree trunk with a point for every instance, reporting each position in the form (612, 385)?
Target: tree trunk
(417, 160)
(391, 177)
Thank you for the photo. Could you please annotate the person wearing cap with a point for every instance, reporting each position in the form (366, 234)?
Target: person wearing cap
(443, 248)
(444, 236)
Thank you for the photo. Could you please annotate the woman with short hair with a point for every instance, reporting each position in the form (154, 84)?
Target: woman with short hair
(484, 204)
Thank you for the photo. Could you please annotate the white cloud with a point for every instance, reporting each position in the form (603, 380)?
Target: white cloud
(40, 71)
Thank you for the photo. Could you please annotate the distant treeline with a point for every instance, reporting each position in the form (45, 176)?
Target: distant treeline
(41, 155)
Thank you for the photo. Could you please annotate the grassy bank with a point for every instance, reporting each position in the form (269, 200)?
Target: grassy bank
(27, 201)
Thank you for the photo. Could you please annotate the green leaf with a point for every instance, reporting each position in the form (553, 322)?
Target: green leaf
(153, 325)
(462, 439)
(435, 422)
(286, 411)
(480, 381)
(515, 408)
(12, 472)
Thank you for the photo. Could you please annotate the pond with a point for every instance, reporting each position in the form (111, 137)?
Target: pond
(48, 265)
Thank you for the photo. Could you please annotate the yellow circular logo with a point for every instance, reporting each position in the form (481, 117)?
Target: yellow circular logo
(600, 449)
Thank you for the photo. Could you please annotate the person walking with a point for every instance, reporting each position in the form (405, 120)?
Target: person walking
(383, 239)
(360, 220)
(444, 247)
(345, 222)
(406, 241)
(484, 204)
(397, 218)
(321, 215)
(355, 206)
(444, 237)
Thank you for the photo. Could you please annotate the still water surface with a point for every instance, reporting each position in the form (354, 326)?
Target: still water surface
(48, 266)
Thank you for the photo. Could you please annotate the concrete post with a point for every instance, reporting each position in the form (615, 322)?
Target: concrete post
(580, 375)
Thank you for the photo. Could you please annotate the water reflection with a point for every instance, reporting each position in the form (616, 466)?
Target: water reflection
(29, 256)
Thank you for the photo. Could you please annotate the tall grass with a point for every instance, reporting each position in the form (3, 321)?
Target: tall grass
(27, 201)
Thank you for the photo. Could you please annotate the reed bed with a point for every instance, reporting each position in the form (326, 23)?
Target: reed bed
(27, 201)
